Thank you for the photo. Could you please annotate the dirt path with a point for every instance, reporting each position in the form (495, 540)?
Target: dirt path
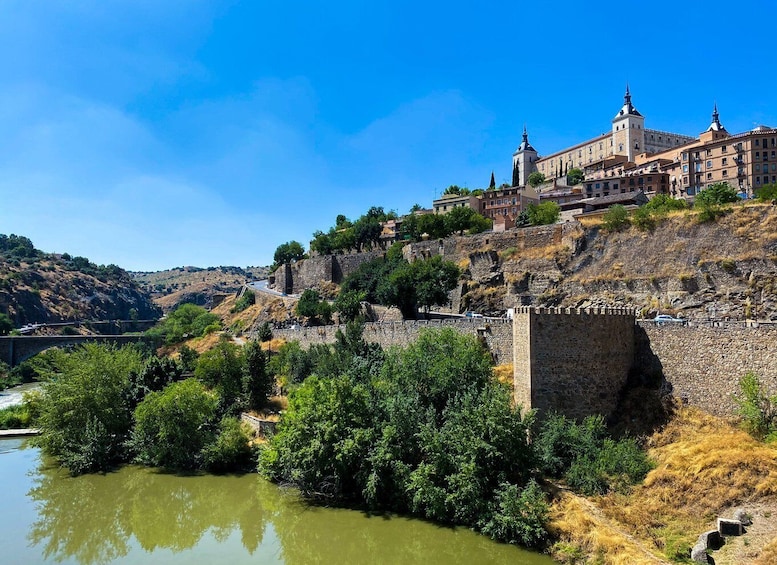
(745, 550)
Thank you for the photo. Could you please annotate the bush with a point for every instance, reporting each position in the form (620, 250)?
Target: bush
(188, 320)
(519, 515)
(247, 299)
(231, 451)
(86, 409)
(615, 218)
(14, 417)
(767, 192)
(265, 332)
(544, 213)
(643, 218)
(173, 426)
(715, 195)
(757, 410)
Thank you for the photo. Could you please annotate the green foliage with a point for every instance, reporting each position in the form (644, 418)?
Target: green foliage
(348, 304)
(715, 195)
(264, 333)
(290, 364)
(455, 189)
(86, 408)
(362, 234)
(535, 179)
(424, 282)
(222, 369)
(519, 515)
(590, 461)
(425, 429)
(6, 324)
(311, 305)
(767, 192)
(231, 450)
(757, 409)
(156, 375)
(17, 247)
(575, 176)
(247, 299)
(643, 218)
(661, 204)
(186, 321)
(544, 213)
(188, 358)
(257, 384)
(15, 417)
(615, 218)
(173, 426)
(288, 252)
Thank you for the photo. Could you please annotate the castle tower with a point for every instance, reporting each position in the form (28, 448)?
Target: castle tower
(523, 161)
(628, 130)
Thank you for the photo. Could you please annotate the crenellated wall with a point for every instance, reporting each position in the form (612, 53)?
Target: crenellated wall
(573, 361)
(496, 333)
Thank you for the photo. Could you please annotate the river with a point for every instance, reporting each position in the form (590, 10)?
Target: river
(141, 515)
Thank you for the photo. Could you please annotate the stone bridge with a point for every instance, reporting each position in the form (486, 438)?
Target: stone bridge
(16, 349)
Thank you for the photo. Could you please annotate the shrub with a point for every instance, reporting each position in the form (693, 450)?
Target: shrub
(544, 213)
(615, 218)
(716, 194)
(519, 515)
(265, 332)
(643, 218)
(173, 426)
(757, 410)
(188, 320)
(231, 450)
(767, 192)
(14, 417)
(85, 408)
(247, 299)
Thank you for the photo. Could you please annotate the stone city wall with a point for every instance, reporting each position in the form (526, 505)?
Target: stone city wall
(294, 278)
(497, 333)
(573, 361)
(702, 363)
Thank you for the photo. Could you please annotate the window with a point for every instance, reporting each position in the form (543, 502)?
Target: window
(709, 152)
(685, 156)
(725, 173)
(709, 176)
(723, 149)
(756, 143)
(615, 186)
(685, 180)
(579, 152)
(724, 161)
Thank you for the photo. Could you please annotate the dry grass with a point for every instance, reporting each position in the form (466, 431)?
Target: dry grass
(504, 374)
(705, 466)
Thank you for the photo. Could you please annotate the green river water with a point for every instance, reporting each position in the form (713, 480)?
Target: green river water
(139, 515)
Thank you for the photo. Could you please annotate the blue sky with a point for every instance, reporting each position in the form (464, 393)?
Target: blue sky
(159, 134)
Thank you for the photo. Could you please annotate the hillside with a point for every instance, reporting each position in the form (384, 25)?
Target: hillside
(38, 287)
(195, 285)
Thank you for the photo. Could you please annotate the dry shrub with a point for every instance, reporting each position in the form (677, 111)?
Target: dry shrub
(504, 374)
(768, 554)
(274, 344)
(463, 263)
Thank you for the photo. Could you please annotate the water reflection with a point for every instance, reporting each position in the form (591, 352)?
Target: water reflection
(99, 519)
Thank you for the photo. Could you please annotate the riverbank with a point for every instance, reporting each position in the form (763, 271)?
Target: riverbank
(15, 395)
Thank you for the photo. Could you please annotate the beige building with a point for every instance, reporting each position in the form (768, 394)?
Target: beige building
(631, 158)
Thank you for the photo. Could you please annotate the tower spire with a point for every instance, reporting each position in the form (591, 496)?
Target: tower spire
(715, 125)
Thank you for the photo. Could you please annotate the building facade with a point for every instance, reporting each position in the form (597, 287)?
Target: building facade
(630, 158)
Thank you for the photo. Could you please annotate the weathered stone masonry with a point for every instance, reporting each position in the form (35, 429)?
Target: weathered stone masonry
(578, 361)
(573, 361)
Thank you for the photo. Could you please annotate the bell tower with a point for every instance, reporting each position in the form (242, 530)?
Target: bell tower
(524, 160)
(628, 130)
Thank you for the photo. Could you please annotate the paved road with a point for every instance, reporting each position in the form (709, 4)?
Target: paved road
(261, 286)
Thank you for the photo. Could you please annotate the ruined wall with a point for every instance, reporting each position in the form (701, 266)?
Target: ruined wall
(496, 333)
(572, 361)
(702, 363)
(310, 273)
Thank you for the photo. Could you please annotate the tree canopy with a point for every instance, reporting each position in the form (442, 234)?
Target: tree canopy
(288, 253)
(547, 212)
(535, 179)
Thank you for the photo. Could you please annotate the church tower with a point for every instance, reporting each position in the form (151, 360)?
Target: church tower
(628, 130)
(523, 161)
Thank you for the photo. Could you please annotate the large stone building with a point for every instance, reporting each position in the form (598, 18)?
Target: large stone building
(631, 158)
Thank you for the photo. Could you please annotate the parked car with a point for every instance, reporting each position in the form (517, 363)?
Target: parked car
(471, 314)
(667, 319)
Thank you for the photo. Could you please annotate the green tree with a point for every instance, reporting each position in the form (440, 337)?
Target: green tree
(258, 384)
(188, 320)
(221, 368)
(756, 408)
(86, 411)
(547, 212)
(348, 304)
(716, 194)
(424, 282)
(575, 176)
(6, 324)
(265, 332)
(173, 426)
(246, 300)
(311, 305)
(615, 218)
(231, 450)
(288, 252)
(535, 179)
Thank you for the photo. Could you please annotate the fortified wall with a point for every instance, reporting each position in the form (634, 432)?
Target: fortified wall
(573, 361)
(497, 334)
(294, 278)
(702, 363)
